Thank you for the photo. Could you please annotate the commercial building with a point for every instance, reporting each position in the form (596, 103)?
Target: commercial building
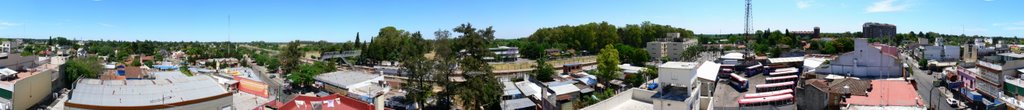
(503, 54)
(879, 30)
(866, 61)
(197, 92)
(364, 86)
(33, 83)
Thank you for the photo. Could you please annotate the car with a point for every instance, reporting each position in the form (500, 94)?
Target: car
(952, 102)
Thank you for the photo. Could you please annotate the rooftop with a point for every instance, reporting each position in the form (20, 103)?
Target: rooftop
(679, 65)
(346, 78)
(631, 99)
(1011, 54)
(708, 70)
(888, 93)
(515, 104)
(786, 59)
(144, 92)
(673, 93)
(733, 56)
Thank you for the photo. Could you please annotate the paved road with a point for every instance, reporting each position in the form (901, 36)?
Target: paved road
(276, 86)
(928, 93)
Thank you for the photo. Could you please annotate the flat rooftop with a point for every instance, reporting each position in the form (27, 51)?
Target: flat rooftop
(345, 78)
(888, 93)
(144, 92)
(679, 65)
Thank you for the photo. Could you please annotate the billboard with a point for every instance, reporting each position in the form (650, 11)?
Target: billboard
(252, 87)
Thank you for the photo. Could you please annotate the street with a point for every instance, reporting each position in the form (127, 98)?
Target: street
(927, 91)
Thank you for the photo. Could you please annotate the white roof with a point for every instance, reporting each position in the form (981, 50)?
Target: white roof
(679, 65)
(347, 78)
(733, 56)
(144, 92)
(8, 71)
(630, 68)
(814, 62)
(708, 70)
(565, 89)
(1011, 54)
(785, 59)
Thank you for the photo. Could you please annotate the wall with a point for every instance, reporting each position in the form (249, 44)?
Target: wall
(675, 76)
(811, 98)
(29, 91)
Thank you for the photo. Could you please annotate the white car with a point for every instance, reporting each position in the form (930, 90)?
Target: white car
(952, 102)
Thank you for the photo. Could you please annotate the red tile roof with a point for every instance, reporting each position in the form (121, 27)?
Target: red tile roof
(330, 102)
(888, 93)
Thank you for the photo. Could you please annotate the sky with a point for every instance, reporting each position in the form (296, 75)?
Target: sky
(339, 21)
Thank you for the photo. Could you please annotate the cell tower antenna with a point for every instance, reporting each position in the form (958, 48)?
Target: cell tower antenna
(748, 23)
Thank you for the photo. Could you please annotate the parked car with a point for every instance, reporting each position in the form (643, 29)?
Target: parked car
(952, 102)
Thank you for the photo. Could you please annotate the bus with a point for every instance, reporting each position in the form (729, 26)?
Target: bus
(754, 70)
(784, 71)
(738, 82)
(777, 79)
(770, 100)
(768, 94)
(774, 86)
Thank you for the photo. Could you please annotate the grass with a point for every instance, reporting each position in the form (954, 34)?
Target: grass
(184, 70)
(531, 63)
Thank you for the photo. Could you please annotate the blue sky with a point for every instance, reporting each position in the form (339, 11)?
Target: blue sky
(338, 21)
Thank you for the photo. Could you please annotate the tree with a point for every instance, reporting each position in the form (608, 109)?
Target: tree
(417, 86)
(304, 74)
(607, 64)
(481, 90)
(544, 72)
(843, 44)
(691, 53)
(631, 55)
(290, 56)
(87, 67)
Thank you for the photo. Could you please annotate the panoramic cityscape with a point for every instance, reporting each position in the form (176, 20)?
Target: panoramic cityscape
(512, 55)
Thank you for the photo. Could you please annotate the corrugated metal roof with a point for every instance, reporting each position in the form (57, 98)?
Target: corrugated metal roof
(143, 92)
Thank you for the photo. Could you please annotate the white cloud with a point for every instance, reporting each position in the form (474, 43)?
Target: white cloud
(5, 25)
(802, 4)
(106, 25)
(886, 6)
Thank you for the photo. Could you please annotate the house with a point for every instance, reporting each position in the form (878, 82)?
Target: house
(813, 95)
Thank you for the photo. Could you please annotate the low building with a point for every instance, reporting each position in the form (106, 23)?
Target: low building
(806, 34)
(359, 84)
(197, 92)
(813, 95)
(20, 90)
(330, 102)
(504, 54)
(632, 99)
(891, 94)
(942, 53)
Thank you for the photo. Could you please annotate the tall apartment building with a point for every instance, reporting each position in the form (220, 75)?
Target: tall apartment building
(667, 48)
(879, 30)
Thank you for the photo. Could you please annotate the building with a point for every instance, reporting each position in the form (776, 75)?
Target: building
(330, 102)
(879, 30)
(197, 92)
(887, 94)
(994, 70)
(362, 85)
(678, 90)
(942, 53)
(812, 95)
(668, 49)
(513, 99)
(806, 34)
(632, 99)
(865, 61)
(504, 54)
(5, 47)
(35, 82)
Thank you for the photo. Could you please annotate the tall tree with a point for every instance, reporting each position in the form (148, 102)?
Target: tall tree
(544, 72)
(290, 57)
(607, 64)
(481, 91)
